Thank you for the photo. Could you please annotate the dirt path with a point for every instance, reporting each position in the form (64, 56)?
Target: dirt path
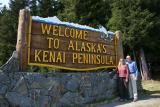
(153, 101)
(149, 98)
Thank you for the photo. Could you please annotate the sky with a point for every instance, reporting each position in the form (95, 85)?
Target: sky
(4, 2)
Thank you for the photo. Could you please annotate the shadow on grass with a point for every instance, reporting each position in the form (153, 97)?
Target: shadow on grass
(146, 94)
(143, 95)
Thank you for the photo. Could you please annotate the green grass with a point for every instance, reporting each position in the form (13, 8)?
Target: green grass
(151, 86)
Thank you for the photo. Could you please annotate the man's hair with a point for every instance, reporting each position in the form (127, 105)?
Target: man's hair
(128, 56)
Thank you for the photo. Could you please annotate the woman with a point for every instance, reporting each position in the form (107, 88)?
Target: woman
(123, 79)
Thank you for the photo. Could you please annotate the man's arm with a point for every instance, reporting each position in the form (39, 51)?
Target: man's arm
(136, 70)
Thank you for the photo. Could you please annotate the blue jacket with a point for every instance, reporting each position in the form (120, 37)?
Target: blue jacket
(132, 68)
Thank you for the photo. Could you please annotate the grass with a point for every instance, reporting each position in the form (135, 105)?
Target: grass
(151, 87)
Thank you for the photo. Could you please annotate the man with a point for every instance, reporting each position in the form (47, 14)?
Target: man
(133, 75)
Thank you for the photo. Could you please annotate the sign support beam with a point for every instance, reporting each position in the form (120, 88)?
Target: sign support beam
(22, 38)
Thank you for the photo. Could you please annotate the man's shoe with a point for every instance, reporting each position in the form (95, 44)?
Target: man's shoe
(135, 99)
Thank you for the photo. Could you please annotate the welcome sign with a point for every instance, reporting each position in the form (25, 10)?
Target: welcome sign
(67, 46)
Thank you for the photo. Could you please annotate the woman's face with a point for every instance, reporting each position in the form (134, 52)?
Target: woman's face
(122, 61)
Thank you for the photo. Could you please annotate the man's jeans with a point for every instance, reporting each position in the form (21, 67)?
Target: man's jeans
(133, 87)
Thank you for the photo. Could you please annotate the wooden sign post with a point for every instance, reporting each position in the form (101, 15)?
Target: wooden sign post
(22, 38)
(120, 54)
(59, 45)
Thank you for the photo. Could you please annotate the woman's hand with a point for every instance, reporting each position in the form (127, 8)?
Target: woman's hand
(126, 80)
(135, 78)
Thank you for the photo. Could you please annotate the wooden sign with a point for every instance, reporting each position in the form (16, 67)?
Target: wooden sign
(68, 47)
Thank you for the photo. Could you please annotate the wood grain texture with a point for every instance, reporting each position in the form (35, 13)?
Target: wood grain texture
(39, 42)
(22, 38)
(64, 47)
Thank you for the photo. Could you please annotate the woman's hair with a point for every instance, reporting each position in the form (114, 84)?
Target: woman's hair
(121, 62)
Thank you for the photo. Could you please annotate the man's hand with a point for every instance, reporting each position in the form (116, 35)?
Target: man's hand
(135, 78)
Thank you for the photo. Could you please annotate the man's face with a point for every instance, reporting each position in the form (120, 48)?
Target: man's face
(128, 58)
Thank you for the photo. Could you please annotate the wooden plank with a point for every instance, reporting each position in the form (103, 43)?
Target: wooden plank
(40, 44)
(92, 36)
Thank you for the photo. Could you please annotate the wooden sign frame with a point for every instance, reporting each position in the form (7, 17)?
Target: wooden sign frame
(24, 47)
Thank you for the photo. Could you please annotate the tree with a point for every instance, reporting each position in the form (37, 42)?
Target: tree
(49, 7)
(5, 44)
(68, 12)
(33, 5)
(92, 12)
(8, 28)
(154, 38)
(135, 24)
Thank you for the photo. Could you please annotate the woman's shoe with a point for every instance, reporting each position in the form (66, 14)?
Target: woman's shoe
(130, 99)
(125, 99)
(121, 100)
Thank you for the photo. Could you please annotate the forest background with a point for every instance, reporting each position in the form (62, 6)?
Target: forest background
(138, 20)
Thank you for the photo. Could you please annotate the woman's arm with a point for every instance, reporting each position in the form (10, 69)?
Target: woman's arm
(127, 73)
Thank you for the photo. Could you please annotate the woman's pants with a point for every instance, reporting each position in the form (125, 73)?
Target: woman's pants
(123, 88)
(133, 87)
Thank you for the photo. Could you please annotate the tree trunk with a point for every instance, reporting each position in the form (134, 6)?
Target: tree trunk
(141, 70)
(134, 55)
(22, 38)
(145, 71)
(118, 36)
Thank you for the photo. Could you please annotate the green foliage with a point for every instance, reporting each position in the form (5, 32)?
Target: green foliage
(8, 28)
(92, 12)
(139, 20)
(33, 5)
(134, 22)
(154, 32)
(9, 21)
(68, 13)
(49, 7)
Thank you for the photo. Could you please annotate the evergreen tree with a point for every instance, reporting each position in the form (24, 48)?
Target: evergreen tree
(5, 45)
(33, 5)
(68, 11)
(92, 12)
(135, 24)
(8, 28)
(153, 40)
(49, 7)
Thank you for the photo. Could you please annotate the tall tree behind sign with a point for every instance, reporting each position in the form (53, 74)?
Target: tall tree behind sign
(93, 12)
(8, 28)
(135, 24)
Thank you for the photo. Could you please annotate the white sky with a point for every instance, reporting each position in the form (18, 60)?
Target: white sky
(4, 2)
